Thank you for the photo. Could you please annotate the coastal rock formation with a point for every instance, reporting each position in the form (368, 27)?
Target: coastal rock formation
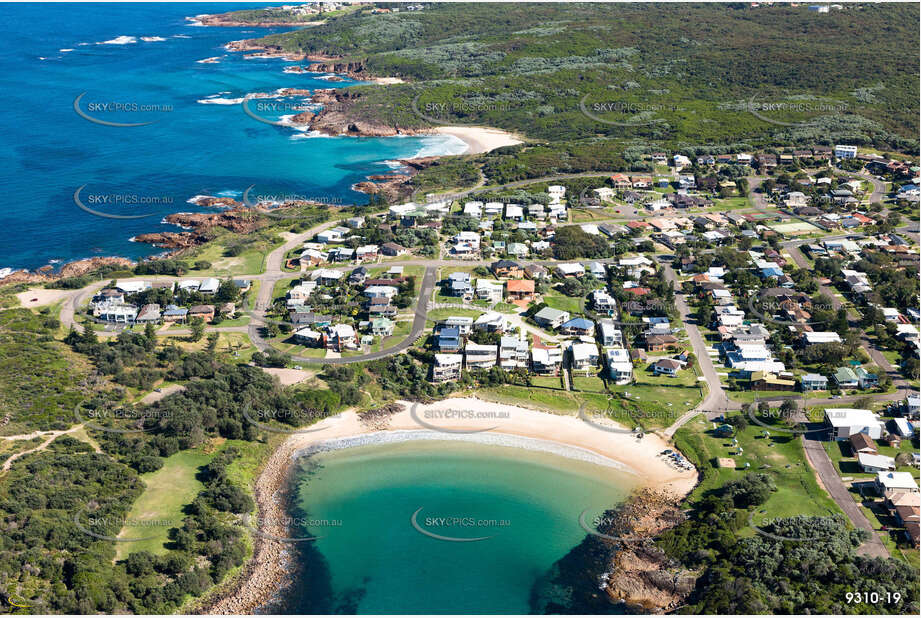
(263, 51)
(209, 201)
(600, 572)
(72, 269)
(225, 20)
(391, 186)
(641, 574)
(171, 240)
(355, 70)
(302, 118)
(240, 220)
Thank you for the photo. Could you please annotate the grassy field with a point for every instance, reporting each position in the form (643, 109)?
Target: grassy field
(781, 456)
(561, 302)
(160, 507)
(549, 399)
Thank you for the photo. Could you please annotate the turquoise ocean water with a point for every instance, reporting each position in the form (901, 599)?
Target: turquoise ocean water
(53, 53)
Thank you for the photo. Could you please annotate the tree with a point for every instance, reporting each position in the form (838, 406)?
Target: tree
(150, 334)
(750, 490)
(212, 342)
(197, 326)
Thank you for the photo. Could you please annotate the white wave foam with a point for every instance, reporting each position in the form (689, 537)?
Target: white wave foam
(229, 193)
(119, 40)
(195, 199)
(440, 146)
(304, 134)
(152, 39)
(64, 50)
(194, 21)
(181, 36)
(220, 101)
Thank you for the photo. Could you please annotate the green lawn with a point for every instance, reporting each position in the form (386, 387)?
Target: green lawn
(549, 399)
(781, 456)
(564, 303)
(591, 384)
(168, 491)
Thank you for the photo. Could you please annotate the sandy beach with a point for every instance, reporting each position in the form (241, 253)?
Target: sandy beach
(267, 569)
(481, 139)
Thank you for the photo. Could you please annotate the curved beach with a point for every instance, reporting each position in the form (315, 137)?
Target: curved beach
(470, 420)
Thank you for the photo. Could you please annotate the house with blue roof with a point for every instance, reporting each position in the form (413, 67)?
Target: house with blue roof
(447, 338)
(578, 326)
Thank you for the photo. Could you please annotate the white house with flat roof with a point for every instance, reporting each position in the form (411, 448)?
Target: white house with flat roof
(845, 422)
(895, 481)
(843, 151)
(620, 369)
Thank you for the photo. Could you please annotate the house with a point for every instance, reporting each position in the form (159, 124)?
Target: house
(578, 326)
(120, 313)
(597, 270)
(478, 356)
(367, 252)
(507, 269)
(109, 295)
(845, 422)
(767, 381)
(380, 291)
(308, 337)
(463, 324)
(521, 290)
(661, 343)
(340, 337)
(473, 209)
(866, 379)
(149, 314)
(862, 443)
(446, 367)
(602, 302)
(814, 337)
(447, 338)
(132, 287)
(667, 366)
(459, 285)
(336, 234)
(845, 378)
(382, 327)
(491, 323)
(514, 212)
(209, 286)
(536, 271)
(570, 270)
(391, 249)
(303, 315)
(620, 181)
(556, 192)
(609, 334)
(172, 313)
(895, 481)
(845, 152)
(548, 317)
(490, 291)
(619, 366)
(546, 360)
(513, 352)
(871, 463)
(813, 382)
(205, 312)
(493, 209)
(326, 276)
(902, 427)
(584, 356)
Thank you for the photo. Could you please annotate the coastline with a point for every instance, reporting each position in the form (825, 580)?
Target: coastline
(507, 425)
(481, 139)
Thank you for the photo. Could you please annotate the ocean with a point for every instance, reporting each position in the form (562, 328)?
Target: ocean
(374, 510)
(139, 63)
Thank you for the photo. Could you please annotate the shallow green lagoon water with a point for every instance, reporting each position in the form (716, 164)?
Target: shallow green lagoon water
(371, 559)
